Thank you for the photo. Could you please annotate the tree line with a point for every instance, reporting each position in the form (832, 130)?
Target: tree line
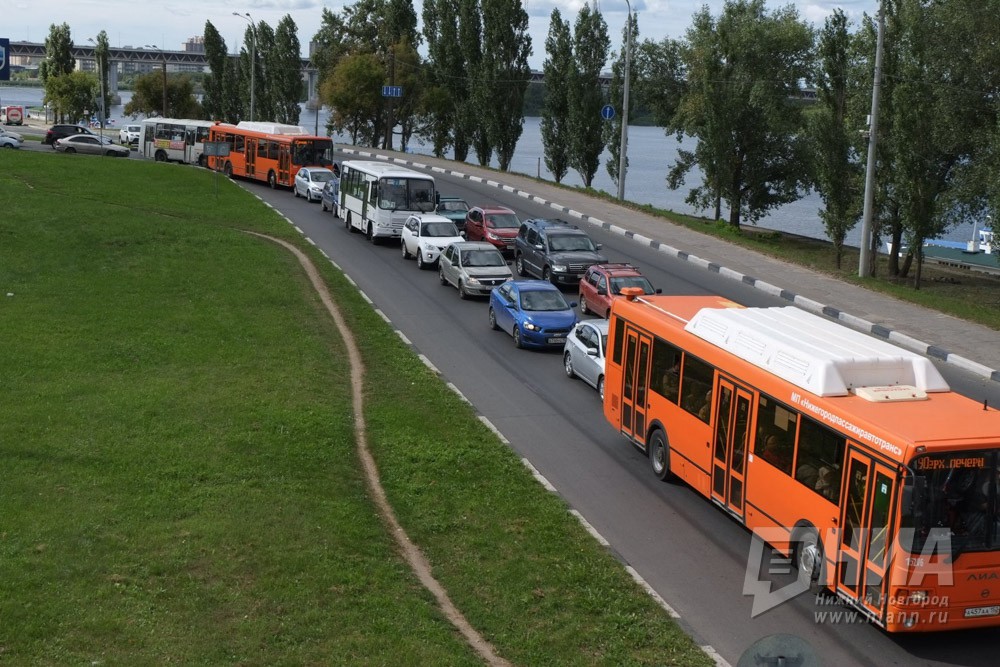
(733, 82)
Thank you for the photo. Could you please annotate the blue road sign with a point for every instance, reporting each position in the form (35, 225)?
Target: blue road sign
(607, 112)
(4, 60)
(392, 91)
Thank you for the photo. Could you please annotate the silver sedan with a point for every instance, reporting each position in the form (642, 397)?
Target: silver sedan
(89, 144)
(583, 353)
(474, 268)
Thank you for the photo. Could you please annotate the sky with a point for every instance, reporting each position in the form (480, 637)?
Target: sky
(168, 24)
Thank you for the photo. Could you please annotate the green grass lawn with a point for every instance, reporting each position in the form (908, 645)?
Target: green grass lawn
(180, 480)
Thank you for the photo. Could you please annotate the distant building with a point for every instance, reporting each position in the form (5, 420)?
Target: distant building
(195, 44)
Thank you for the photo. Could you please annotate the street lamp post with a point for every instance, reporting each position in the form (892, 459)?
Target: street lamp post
(253, 56)
(623, 145)
(100, 75)
(864, 257)
(164, 56)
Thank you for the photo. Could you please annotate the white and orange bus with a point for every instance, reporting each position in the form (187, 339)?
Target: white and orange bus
(852, 456)
(270, 152)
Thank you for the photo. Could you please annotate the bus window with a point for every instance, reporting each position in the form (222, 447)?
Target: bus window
(665, 379)
(775, 434)
(238, 143)
(696, 380)
(820, 457)
(616, 353)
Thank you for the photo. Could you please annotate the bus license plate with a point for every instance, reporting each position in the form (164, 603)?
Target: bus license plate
(975, 612)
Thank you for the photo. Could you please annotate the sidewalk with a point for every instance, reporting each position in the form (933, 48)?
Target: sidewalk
(970, 346)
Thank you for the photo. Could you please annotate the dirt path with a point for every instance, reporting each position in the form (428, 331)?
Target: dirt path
(418, 563)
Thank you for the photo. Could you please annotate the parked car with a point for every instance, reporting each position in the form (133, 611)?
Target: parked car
(90, 144)
(129, 134)
(497, 225)
(604, 282)
(57, 132)
(453, 208)
(583, 354)
(426, 236)
(534, 312)
(554, 250)
(310, 181)
(474, 268)
(329, 197)
(8, 141)
(4, 132)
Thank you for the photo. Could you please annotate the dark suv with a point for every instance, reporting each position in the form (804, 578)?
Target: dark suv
(554, 250)
(63, 131)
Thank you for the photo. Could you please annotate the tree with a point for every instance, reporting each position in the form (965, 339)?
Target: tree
(470, 40)
(147, 99)
(743, 73)
(73, 94)
(353, 92)
(409, 74)
(59, 61)
(837, 171)
(101, 51)
(558, 70)
(447, 90)
(616, 95)
(284, 75)
(328, 44)
(401, 23)
(590, 48)
(214, 99)
(505, 71)
(365, 27)
(266, 102)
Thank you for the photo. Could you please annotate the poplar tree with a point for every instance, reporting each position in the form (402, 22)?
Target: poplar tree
(468, 125)
(58, 62)
(285, 72)
(265, 104)
(558, 70)
(505, 74)
(447, 88)
(102, 52)
(213, 100)
(590, 48)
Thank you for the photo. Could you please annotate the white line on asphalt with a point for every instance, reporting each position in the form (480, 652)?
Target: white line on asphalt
(495, 430)
(649, 590)
(428, 363)
(539, 476)
(590, 529)
(458, 392)
(402, 336)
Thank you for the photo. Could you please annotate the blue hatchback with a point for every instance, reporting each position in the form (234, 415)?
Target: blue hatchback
(534, 312)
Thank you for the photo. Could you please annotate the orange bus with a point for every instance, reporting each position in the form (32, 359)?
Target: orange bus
(852, 456)
(270, 152)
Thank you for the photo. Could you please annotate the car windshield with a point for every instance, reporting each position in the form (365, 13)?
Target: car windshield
(543, 300)
(502, 221)
(958, 504)
(438, 229)
(453, 205)
(482, 258)
(569, 242)
(132, 128)
(320, 176)
(631, 281)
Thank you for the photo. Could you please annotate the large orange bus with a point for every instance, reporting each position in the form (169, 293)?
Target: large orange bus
(851, 455)
(270, 152)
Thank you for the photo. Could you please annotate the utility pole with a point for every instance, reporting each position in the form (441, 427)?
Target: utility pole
(623, 144)
(388, 100)
(100, 75)
(865, 260)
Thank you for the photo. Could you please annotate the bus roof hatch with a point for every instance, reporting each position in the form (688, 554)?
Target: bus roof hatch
(815, 354)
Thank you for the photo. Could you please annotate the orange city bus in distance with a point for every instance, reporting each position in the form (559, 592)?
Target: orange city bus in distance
(846, 453)
(270, 152)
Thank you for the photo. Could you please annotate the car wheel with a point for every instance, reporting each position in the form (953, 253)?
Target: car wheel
(568, 365)
(272, 180)
(600, 387)
(493, 320)
(420, 260)
(659, 455)
(406, 253)
(519, 266)
(583, 306)
(607, 314)
(295, 188)
(444, 281)
(462, 294)
(546, 274)
(70, 150)
(517, 337)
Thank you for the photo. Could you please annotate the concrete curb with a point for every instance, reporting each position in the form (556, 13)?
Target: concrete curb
(805, 303)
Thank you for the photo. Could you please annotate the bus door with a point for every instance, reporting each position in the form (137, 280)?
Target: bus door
(284, 164)
(189, 139)
(635, 385)
(866, 537)
(250, 156)
(732, 432)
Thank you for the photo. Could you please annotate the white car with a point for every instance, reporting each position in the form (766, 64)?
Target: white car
(7, 141)
(473, 267)
(310, 181)
(129, 134)
(426, 236)
(583, 353)
(13, 135)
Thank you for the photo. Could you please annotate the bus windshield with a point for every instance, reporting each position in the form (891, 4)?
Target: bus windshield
(406, 194)
(960, 501)
(312, 152)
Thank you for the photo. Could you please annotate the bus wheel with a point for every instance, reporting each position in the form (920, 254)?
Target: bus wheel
(202, 162)
(272, 180)
(160, 156)
(229, 170)
(370, 233)
(347, 223)
(808, 557)
(659, 453)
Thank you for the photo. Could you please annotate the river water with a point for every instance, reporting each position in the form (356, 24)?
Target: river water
(650, 153)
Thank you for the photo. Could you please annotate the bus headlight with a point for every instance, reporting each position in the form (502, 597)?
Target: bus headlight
(918, 597)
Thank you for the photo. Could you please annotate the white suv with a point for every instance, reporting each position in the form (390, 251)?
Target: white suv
(129, 134)
(426, 236)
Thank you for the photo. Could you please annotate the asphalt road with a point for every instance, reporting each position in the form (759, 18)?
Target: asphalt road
(691, 553)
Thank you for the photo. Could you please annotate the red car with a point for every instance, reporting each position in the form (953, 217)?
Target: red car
(496, 225)
(604, 282)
